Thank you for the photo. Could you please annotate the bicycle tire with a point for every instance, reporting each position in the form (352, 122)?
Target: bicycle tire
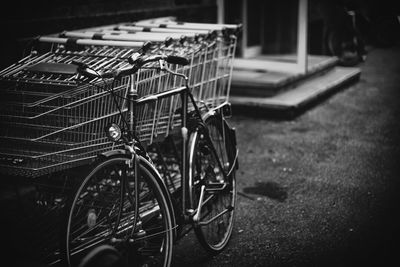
(94, 217)
(336, 44)
(214, 237)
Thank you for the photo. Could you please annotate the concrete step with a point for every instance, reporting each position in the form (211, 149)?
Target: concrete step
(303, 93)
(253, 77)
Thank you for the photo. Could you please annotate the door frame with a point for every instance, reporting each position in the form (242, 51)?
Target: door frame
(251, 51)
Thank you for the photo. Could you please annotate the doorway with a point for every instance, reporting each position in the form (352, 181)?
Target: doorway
(274, 32)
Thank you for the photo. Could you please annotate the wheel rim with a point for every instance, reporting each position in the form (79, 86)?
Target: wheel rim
(95, 218)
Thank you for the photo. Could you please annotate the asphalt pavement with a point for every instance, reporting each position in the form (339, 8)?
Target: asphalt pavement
(320, 189)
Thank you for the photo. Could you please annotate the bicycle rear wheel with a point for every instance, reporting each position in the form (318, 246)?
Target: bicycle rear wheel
(102, 211)
(346, 48)
(215, 225)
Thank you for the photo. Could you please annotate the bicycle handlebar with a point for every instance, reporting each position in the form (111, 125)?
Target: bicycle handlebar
(137, 61)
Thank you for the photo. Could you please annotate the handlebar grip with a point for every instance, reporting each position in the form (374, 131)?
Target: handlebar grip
(84, 70)
(177, 60)
(88, 72)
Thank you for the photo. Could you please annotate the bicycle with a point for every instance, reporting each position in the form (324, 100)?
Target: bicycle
(124, 201)
(343, 37)
(52, 127)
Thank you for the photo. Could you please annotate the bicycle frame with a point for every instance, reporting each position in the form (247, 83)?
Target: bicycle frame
(133, 147)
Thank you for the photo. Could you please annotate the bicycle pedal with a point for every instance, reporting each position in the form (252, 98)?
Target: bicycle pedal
(139, 234)
(188, 218)
(190, 212)
(211, 187)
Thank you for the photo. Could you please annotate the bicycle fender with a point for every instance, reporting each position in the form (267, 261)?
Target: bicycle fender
(232, 134)
(112, 153)
(230, 130)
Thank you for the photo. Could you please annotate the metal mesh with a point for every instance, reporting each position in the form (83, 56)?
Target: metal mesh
(53, 119)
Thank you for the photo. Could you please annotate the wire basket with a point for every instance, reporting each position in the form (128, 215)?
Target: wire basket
(52, 119)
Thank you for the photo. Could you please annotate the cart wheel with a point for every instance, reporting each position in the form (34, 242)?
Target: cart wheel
(102, 212)
(212, 231)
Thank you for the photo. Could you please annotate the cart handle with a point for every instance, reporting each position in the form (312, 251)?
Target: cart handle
(137, 61)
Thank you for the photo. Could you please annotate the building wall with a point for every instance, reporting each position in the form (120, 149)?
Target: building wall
(23, 19)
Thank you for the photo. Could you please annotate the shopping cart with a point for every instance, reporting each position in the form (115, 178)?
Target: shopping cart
(50, 122)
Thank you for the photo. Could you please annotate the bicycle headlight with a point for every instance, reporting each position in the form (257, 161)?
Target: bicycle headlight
(113, 132)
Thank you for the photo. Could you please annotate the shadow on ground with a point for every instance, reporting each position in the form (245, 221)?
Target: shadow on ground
(269, 189)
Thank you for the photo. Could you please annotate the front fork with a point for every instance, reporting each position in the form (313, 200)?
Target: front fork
(133, 162)
(133, 169)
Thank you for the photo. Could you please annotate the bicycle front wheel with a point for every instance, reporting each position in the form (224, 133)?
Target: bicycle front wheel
(103, 211)
(217, 209)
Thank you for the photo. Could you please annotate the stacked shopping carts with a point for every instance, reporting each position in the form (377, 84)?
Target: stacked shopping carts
(53, 119)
